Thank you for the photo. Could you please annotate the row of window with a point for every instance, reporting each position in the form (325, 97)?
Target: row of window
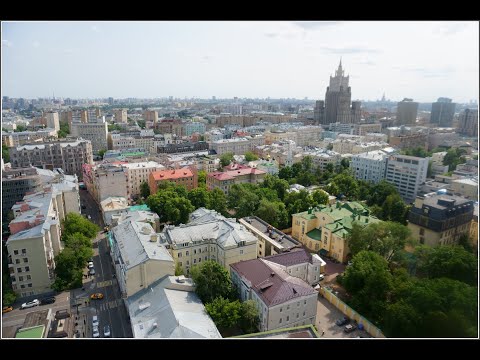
(16, 252)
(288, 318)
(15, 287)
(27, 269)
(21, 278)
(17, 261)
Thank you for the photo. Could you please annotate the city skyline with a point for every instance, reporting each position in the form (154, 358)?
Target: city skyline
(243, 59)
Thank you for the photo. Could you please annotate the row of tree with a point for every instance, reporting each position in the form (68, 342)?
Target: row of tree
(214, 287)
(77, 236)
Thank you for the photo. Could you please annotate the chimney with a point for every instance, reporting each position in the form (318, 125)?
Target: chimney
(153, 238)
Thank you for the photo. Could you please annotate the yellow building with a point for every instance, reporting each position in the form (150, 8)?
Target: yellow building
(325, 227)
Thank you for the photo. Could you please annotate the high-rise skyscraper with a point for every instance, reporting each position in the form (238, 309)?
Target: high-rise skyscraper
(442, 112)
(407, 112)
(319, 112)
(338, 98)
(468, 122)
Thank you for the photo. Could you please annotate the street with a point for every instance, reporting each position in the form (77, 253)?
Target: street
(111, 309)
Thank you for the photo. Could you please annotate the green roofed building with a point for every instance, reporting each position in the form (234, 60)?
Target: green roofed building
(35, 332)
(325, 228)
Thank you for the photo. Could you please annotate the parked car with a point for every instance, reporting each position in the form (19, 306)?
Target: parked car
(342, 321)
(90, 264)
(349, 328)
(321, 277)
(49, 300)
(95, 321)
(6, 309)
(30, 304)
(106, 331)
(96, 333)
(91, 271)
(96, 296)
(89, 217)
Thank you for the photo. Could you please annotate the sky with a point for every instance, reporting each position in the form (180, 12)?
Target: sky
(248, 59)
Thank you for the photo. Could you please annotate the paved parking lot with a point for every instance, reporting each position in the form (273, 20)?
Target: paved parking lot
(327, 314)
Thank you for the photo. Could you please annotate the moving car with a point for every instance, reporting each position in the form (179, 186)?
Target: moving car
(106, 331)
(96, 296)
(49, 300)
(95, 321)
(6, 309)
(349, 328)
(96, 334)
(342, 321)
(30, 304)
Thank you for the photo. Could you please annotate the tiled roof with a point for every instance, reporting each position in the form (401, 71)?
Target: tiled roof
(296, 256)
(171, 174)
(271, 283)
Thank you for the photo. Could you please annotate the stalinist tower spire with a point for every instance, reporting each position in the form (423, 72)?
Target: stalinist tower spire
(340, 71)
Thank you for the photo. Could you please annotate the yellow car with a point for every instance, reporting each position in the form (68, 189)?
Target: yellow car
(97, 296)
(7, 309)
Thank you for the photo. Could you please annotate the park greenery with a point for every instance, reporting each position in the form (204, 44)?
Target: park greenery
(5, 153)
(226, 159)
(144, 190)
(432, 293)
(454, 157)
(77, 237)
(250, 156)
(214, 287)
(64, 130)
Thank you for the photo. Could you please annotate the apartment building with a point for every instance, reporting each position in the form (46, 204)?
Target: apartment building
(120, 115)
(282, 300)
(364, 129)
(106, 180)
(408, 174)
(225, 180)
(350, 146)
(440, 219)
(151, 115)
(325, 228)
(322, 157)
(35, 235)
(187, 177)
(237, 146)
(95, 132)
(138, 257)
(194, 127)
(370, 166)
(138, 173)
(468, 122)
(28, 137)
(410, 141)
(467, 188)
(209, 236)
(67, 155)
(113, 207)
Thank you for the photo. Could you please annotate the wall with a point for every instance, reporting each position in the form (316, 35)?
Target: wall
(146, 273)
(352, 314)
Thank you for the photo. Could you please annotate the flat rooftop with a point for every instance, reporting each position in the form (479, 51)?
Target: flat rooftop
(286, 241)
(300, 332)
(35, 332)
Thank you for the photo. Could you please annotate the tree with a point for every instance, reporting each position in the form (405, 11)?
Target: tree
(273, 213)
(68, 275)
(320, 197)
(453, 157)
(75, 223)
(285, 173)
(81, 247)
(170, 206)
(202, 179)
(144, 190)
(347, 185)
(5, 153)
(249, 317)
(379, 193)
(178, 270)
(430, 169)
(275, 183)
(464, 241)
(450, 261)
(226, 159)
(225, 313)
(250, 156)
(64, 129)
(199, 197)
(218, 201)
(395, 209)
(345, 163)
(212, 280)
(298, 201)
(102, 152)
(418, 151)
(384, 238)
(243, 200)
(20, 128)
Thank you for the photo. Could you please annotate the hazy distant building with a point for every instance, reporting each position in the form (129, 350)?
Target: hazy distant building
(468, 122)
(53, 121)
(95, 132)
(442, 112)
(319, 112)
(338, 98)
(120, 115)
(151, 115)
(407, 112)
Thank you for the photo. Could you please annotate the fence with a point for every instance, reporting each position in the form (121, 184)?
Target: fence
(352, 314)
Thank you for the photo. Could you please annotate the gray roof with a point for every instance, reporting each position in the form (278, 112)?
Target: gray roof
(133, 239)
(282, 239)
(432, 200)
(33, 232)
(159, 312)
(226, 233)
(202, 215)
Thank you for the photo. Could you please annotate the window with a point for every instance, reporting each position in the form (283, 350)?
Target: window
(15, 252)
(304, 313)
(179, 254)
(27, 268)
(278, 322)
(25, 260)
(180, 263)
(187, 253)
(200, 260)
(241, 252)
(22, 286)
(19, 270)
(422, 231)
(17, 261)
(304, 302)
(29, 277)
(281, 309)
(194, 251)
(20, 278)
(288, 318)
(206, 258)
(188, 262)
(298, 315)
(29, 285)
(24, 251)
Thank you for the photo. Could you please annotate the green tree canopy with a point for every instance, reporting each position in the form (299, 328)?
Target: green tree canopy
(385, 238)
(102, 152)
(250, 156)
(243, 199)
(226, 159)
(249, 317)
(81, 247)
(454, 157)
(75, 223)
(5, 153)
(275, 183)
(218, 201)
(202, 179)
(170, 206)
(273, 213)
(320, 197)
(199, 197)
(225, 313)
(68, 275)
(212, 280)
(144, 190)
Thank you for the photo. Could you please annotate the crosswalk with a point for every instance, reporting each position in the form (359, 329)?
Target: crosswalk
(104, 283)
(110, 304)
